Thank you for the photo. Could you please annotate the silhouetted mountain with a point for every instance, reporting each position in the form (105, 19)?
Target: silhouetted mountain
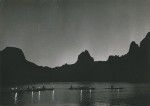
(133, 48)
(131, 67)
(85, 58)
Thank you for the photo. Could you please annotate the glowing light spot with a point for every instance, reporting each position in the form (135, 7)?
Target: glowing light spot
(39, 95)
(16, 94)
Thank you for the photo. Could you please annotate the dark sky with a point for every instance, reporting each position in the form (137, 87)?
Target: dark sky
(54, 32)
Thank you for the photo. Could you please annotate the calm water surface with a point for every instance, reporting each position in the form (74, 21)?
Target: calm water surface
(131, 95)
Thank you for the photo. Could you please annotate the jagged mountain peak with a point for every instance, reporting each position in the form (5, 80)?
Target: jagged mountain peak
(145, 41)
(85, 57)
(85, 52)
(148, 34)
(133, 43)
(133, 47)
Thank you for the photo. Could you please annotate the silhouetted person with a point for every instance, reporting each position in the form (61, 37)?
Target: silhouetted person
(28, 88)
(111, 86)
(43, 87)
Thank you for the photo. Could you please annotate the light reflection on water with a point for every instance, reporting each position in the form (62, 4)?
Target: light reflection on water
(16, 97)
(53, 93)
(32, 94)
(131, 95)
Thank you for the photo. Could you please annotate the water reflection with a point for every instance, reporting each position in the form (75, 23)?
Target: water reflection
(53, 95)
(86, 98)
(131, 95)
(90, 93)
(32, 94)
(80, 95)
(16, 94)
(39, 96)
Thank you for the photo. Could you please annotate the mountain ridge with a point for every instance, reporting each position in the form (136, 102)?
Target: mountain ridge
(15, 69)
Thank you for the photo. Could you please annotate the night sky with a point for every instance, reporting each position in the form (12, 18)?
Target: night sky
(54, 32)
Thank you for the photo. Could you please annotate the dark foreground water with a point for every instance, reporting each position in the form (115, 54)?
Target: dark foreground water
(131, 95)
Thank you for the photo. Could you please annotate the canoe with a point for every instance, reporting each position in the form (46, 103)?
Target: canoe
(81, 88)
(114, 88)
(31, 90)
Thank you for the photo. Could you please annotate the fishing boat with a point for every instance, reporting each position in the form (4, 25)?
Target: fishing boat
(114, 88)
(81, 88)
(30, 89)
(42, 89)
